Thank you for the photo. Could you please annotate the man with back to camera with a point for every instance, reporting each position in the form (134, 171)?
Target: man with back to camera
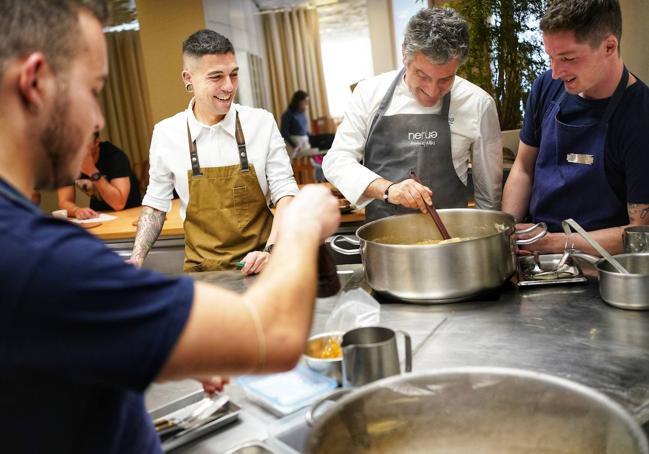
(582, 151)
(424, 118)
(79, 344)
(227, 162)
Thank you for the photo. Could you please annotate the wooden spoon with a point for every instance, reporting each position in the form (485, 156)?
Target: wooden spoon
(433, 212)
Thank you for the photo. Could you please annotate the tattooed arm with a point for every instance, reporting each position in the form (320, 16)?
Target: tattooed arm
(149, 227)
(610, 239)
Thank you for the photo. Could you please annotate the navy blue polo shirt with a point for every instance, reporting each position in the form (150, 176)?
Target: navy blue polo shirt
(293, 123)
(626, 156)
(82, 334)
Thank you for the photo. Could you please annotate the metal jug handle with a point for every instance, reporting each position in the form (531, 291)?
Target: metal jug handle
(407, 343)
(337, 394)
(342, 250)
(540, 225)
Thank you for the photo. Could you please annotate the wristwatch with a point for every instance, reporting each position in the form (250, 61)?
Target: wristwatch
(269, 248)
(96, 176)
(385, 193)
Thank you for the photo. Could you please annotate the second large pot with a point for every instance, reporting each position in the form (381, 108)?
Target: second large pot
(442, 272)
(476, 410)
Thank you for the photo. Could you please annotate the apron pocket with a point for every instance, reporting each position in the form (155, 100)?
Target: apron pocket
(242, 205)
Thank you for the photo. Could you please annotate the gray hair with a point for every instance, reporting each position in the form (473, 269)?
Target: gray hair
(441, 34)
(47, 26)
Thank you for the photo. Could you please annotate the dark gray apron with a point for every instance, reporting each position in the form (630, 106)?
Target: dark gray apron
(397, 144)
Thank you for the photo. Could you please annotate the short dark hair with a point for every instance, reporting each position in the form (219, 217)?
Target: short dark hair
(298, 97)
(206, 42)
(47, 26)
(441, 34)
(591, 20)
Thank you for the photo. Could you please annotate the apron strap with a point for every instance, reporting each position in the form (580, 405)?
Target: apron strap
(241, 145)
(193, 154)
(446, 104)
(385, 102)
(615, 99)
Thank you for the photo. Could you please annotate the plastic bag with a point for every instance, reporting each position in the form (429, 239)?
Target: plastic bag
(353, 309)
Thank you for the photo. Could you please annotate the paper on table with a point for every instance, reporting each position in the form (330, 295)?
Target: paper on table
(103, 217)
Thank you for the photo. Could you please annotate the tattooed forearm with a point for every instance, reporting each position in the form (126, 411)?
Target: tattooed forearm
(638, 213)
(149, 227)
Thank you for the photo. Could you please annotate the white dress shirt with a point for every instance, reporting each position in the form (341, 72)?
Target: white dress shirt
(475, 135)
(217, 147)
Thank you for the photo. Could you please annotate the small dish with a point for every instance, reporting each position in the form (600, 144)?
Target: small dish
(542, 269)
(315, 350)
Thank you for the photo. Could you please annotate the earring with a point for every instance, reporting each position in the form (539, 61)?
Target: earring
(189, 88)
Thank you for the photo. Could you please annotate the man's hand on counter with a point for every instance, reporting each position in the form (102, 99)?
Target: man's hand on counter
(84, 213)
(214, 384)
(134, 262)
(254, 262)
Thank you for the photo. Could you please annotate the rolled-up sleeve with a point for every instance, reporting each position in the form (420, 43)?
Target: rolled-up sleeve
(159, 192)
(341, 165)
(487, 162)
(279, 173)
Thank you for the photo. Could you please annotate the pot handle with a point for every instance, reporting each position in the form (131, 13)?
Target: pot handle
(407, 344)
(337, 394)
(540, 225)
(575, 253)
(342, 250)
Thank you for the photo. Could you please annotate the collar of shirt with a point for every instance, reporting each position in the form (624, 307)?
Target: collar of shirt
(196, 128)
(403, 90)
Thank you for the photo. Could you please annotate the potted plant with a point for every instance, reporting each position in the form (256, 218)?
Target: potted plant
(506, 53)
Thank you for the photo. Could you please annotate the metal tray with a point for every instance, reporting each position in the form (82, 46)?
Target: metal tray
(227, 415)
(548, 262)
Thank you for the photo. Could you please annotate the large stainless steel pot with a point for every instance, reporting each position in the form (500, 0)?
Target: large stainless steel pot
(626, 291)
(442, 272)
(485, 410)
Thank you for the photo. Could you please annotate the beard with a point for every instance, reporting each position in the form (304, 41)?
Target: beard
(62, 145)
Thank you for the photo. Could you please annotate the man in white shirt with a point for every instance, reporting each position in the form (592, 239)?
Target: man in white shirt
(422, 118)
(226, 162)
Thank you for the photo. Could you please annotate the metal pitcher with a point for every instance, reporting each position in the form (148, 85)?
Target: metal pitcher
(370, 353)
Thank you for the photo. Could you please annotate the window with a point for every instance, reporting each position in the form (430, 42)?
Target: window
(346, 50)
(402, 11)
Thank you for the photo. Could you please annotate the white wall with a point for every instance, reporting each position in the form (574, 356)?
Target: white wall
(635, 35)
(240, 21)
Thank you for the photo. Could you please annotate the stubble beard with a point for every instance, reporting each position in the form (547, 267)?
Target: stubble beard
(61, 144)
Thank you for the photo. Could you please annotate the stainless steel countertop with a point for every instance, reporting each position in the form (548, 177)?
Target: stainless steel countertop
(567, 331)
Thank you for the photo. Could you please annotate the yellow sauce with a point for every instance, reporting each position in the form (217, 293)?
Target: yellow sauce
(324, 348)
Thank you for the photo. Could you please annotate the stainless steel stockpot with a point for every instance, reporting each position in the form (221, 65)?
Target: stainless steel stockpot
(475, 409)
(441, 272)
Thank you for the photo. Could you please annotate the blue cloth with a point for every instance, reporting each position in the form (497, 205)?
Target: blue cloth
(82, 334)
(293, 123)
(561, 180)
(626, 156)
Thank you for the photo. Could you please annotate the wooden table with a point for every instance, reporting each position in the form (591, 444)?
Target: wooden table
(123, 227)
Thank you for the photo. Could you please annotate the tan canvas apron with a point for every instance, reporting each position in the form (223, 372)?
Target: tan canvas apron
(227, 215)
